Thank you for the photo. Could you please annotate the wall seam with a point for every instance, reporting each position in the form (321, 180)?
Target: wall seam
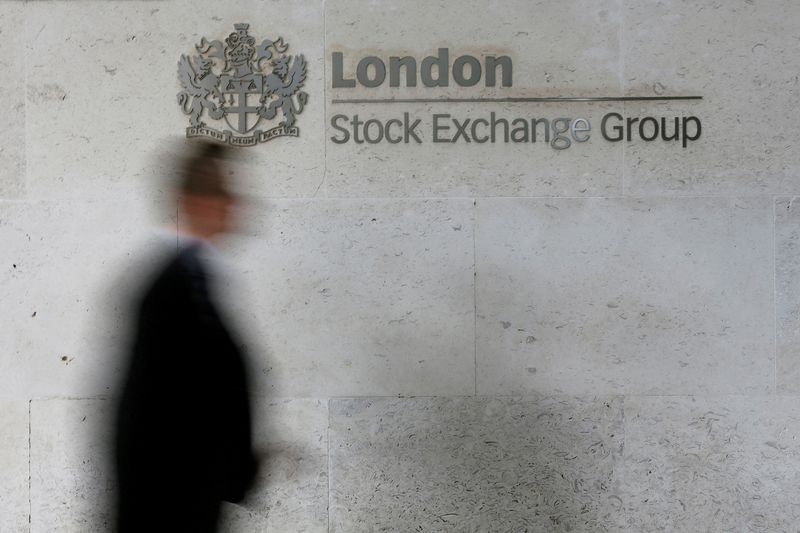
(621, 470)
(324, 100)
(623, 86)
(328, 444)
(30, 500)
(326, 192)
(26, 184)
(659, 196)
(775, 293)
(530, 394)
(475, 287)
(533, 393)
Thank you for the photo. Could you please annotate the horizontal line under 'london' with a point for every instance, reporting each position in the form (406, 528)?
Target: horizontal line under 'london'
(512, 99)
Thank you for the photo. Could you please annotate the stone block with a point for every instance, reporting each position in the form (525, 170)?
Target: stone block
(352, 297)
(787, 294)
(727, 463)
(291, 490)
(67, 273)
(741, 58)
(72, 480)
(624, 296)
(475, 464)
(14, 434)
(12, 102)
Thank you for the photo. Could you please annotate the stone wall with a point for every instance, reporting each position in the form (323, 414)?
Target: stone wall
(444, 336)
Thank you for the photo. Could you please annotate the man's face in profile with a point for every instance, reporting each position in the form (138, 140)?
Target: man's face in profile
(209, 213)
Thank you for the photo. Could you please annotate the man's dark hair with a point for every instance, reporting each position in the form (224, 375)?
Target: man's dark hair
(202, 171)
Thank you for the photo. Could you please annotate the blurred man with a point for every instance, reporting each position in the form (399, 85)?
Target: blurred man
(183, 440)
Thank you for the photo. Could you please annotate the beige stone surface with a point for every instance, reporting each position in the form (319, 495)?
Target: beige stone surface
(711, 464)
(787, 294)
(291, 490)
(356, 297)
(68, 272)
(72, 482)
(12, 102)
(14, 432)
(741, 57)
(475, 464)
(625, 296)
(564, 49)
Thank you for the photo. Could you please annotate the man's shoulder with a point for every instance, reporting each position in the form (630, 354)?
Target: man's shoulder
(184, 264)
(169, 270)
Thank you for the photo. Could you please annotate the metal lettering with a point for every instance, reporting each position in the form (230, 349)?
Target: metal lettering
(474, 71)
(337, 75)
(441, 62)
(410, 65)
(362, 71)
(575, 129)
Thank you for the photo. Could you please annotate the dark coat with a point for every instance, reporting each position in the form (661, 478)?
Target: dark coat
(183, 439)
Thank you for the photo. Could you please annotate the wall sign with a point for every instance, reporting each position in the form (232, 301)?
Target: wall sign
(466, 71)
(242, 84)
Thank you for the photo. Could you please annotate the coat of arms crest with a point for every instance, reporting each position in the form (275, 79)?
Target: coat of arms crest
(253, 83)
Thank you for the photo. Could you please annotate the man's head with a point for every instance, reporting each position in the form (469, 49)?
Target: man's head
(204, 196)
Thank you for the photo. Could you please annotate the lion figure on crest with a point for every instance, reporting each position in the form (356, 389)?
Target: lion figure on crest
(199, 85)
(284, 84)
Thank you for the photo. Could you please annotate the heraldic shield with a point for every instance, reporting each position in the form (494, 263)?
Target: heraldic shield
(244, 84)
